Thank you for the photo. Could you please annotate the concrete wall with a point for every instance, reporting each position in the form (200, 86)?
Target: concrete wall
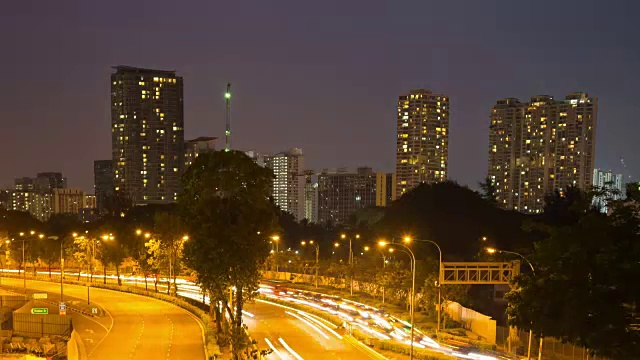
(472, 320)
(73, 352)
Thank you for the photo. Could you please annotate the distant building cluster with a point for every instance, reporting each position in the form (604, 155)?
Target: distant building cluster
(609, 186)
(535, 148)
(45, 195)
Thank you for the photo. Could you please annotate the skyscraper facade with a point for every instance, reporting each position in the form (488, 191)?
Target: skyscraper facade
(310, 197)
(289, 180)
(147, 127)
(609, 183)
(341, 193)
(541, 146)
(386, 186)
(47, 181)
(422, 139)
(103, 183)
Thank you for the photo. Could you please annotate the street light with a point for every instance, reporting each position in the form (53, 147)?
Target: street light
(317, 246)
(408, 239)
(384, 264)
(383, 243)
(344, 236)
(493, 251)
(276, 239)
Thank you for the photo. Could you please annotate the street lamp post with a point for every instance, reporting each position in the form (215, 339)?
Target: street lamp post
(344, 236)
(407, 240)
(413, 289)
(24, 264)
(493, 251)
(317, 246)
(384, 265)
(276, 239)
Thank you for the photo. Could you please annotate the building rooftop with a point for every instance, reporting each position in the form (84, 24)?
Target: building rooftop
(201, 138)
(133, 69)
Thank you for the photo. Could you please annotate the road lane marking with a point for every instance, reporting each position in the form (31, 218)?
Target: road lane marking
(313, 326)
(248, 314)
(273, 348)
(289, 349)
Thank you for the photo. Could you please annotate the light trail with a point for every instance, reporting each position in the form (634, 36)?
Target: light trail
(313, 326)
(320, 323)
(275, 351)
(289, 349)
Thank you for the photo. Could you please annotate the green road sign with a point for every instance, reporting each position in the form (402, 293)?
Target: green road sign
(39, 311)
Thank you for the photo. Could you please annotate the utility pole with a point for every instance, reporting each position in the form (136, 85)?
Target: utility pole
(227, 133)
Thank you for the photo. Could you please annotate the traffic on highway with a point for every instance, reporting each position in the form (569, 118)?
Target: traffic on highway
(371, 321)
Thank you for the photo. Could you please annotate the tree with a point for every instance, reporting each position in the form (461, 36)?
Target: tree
(488, 192)
(167, 243)
(453, 216)
(228, 214)
(584, 289)
(59, 229)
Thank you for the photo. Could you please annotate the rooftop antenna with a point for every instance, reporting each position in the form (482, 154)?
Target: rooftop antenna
(227, 99)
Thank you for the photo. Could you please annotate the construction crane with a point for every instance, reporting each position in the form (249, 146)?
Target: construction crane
(227, 99)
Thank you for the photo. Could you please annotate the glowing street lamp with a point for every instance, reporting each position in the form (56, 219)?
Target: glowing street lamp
(276, 239)
(493, 251)
(317, 246)
(383, 243)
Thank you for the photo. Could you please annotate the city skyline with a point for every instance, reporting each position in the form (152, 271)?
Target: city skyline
(345, 95)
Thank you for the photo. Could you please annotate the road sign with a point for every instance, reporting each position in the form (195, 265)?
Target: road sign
(63, 309)
(94, 310)
(39, 311)
(40, 295)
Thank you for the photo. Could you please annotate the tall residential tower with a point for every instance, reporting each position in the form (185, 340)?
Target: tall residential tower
(423, 139)
(288, 181)
(538, 147)
(147, 127)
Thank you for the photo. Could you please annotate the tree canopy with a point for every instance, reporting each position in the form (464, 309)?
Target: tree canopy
(227, 211)
(584, 289)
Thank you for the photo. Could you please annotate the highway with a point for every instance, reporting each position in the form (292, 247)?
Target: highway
(133, 326)
(295, 336)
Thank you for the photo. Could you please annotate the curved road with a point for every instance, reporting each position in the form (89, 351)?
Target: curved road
(135, 327)
(294, 338)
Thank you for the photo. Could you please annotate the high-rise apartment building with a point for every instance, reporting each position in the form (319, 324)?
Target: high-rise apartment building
(103, 183)
(259, 158)
(68, 201)
(541, 146)
(386, 187)
(288, 181)
(423, 139)
(310, 197)
(195, 147)
(147, 128)
(5, 200)
(47, 181)
(611, 184)
(342, 193)
(33, 195)
(24, 184)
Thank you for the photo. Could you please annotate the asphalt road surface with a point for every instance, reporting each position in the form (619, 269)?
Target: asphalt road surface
(132, 326)
(293, 338)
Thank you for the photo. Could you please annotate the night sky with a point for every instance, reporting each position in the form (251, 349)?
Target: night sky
(321, 75)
